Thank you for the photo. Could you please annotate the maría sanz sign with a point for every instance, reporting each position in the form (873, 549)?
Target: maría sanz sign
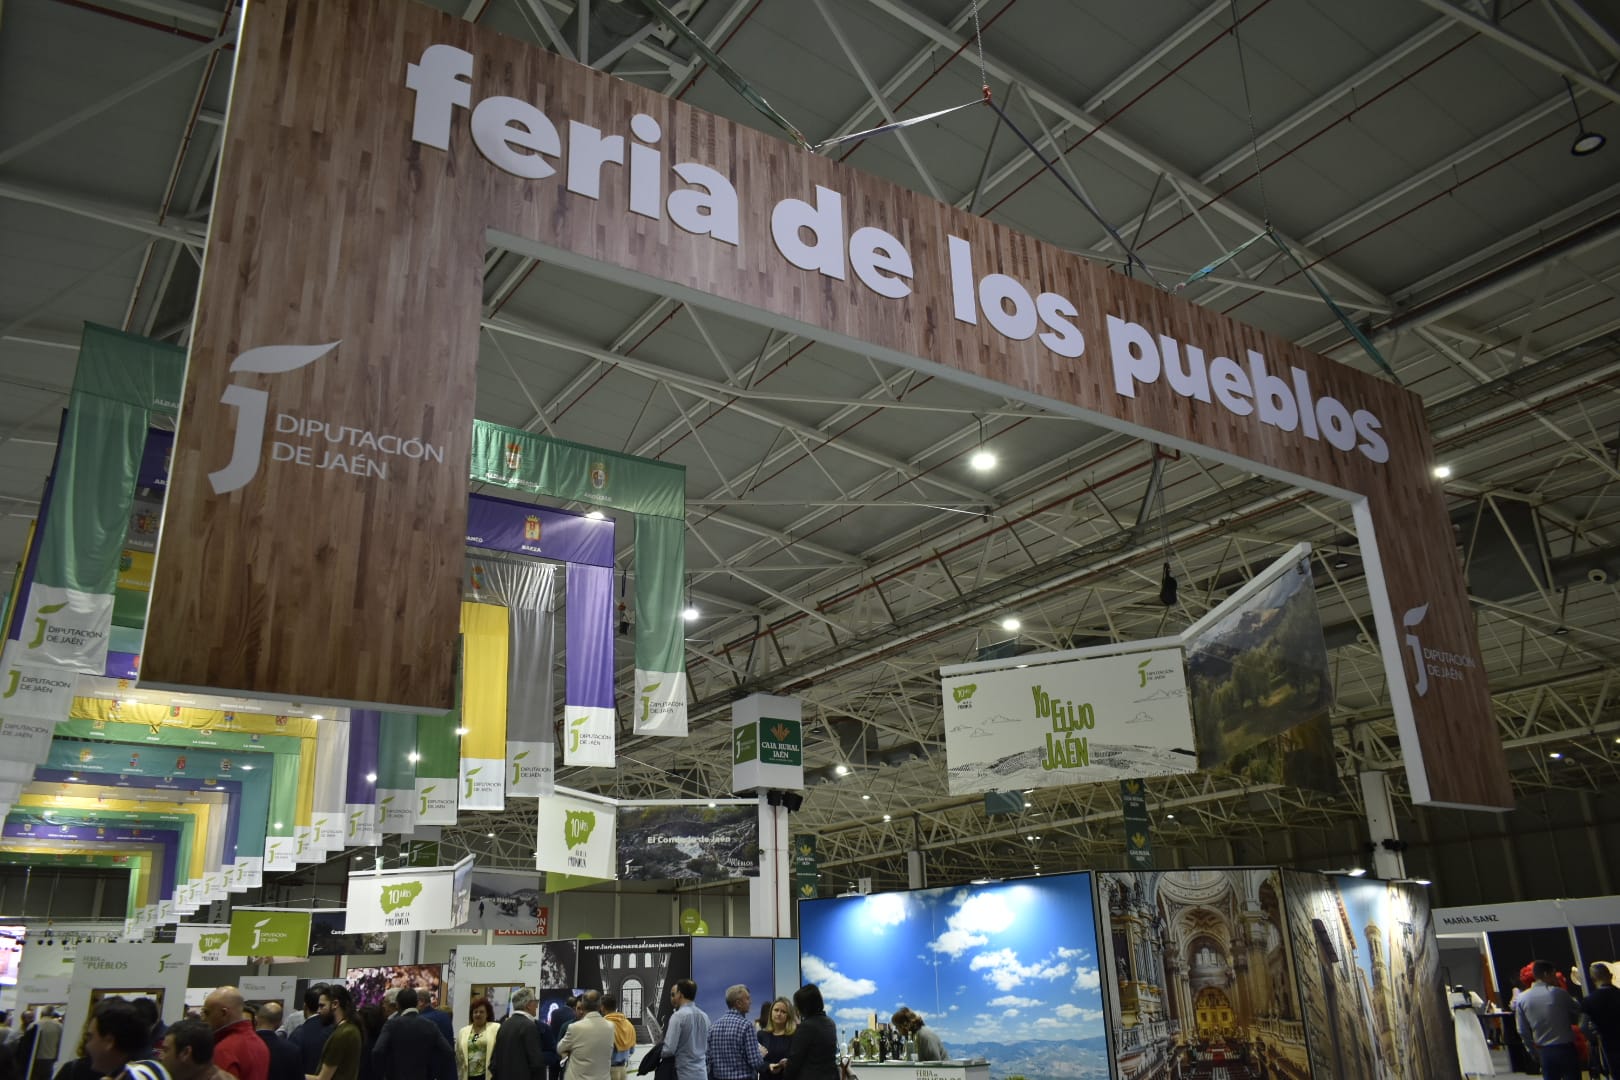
(369, 135)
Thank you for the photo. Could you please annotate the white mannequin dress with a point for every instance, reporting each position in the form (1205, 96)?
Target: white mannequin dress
(1473, 1055)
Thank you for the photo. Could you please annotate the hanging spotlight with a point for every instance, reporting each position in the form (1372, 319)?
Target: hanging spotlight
(1586, 142)
(1167, 588)
(595, 515)
(690, 613)
(1011, 624)
(982, 460)
(1442, 472)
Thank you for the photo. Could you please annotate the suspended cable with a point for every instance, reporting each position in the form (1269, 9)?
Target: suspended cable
(1355, 331)
(1130, 252)
(727, 72)
(1248, 107)
(858, 136)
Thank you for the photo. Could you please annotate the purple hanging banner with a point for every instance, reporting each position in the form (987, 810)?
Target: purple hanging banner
(153, 474)
(123, 665)
(360, 794)
(167, 839)
(590, 721)
(541, 531)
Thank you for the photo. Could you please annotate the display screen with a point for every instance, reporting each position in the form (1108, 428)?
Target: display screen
(368, 984)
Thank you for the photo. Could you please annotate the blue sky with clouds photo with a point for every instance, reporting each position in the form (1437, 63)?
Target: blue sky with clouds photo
(1008, 962)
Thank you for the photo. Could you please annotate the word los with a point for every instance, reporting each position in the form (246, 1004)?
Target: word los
(1063, 749)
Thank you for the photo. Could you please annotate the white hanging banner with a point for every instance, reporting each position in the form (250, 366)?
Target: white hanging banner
(588, 736)
(208, 943)
(327, 825)
(1067, 718)
(411, 898)
(577, 837)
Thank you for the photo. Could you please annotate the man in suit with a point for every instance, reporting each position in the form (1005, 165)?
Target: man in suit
(519, 1051)
(440, 1018)
(411, 1047)
(286, 1063)
(588, 1046)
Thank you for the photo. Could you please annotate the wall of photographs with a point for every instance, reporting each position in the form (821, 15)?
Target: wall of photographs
(1234, 972)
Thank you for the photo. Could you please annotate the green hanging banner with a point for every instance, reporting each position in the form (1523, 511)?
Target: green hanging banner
(120, 381)
(396, 773)
(656, 493)
(806, 867)
(438, 764)
(1138, 826)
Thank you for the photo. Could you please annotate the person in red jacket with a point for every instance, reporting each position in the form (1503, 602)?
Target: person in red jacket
(237, 1050)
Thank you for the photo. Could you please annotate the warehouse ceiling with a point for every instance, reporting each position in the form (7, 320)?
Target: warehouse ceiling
(1414, 154)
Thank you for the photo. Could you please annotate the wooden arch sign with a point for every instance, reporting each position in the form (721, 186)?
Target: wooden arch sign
(374, 147)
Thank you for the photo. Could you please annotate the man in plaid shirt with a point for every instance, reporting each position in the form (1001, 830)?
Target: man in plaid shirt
(734, 1050)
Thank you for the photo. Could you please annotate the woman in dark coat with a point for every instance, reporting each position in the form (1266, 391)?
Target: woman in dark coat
(813, 1053)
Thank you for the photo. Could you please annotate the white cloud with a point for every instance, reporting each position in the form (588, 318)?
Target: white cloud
(1003, 970)
(1070, 954)
(956, 942)
(1012, 1001)
(853, 1012)
(1010, 1013)
(975, 917)
(835, 985)
(1086, 978)
(883, 910)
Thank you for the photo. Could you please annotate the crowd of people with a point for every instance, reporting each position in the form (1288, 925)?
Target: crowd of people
(1552, 1023)
(407, 1037)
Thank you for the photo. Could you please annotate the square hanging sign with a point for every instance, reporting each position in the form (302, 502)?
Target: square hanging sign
(767, 743)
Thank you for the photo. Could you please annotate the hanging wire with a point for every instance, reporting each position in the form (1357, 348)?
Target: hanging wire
(1130, 252)
(984, 72)
(1248, 106)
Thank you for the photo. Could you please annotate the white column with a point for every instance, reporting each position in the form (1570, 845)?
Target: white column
(770, 895)
(1381, 824)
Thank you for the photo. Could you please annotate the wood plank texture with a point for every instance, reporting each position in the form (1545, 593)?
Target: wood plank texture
(332, 224)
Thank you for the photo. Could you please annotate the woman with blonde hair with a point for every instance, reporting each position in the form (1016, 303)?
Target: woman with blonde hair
(776, 1035)
(476, 1041)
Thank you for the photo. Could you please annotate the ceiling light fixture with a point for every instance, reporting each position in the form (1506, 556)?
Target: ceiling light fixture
(1170, 817)
(1011, 624)
(1555, 755)
(885, 817)
(1586, 142)
(461, 731)
(1357, 871)
(595, 515)
(490, 835)
(982, 460)
(841, 770)
(1167, 588)
(413, 757)
(278, 824)
(371, 778)
(1442, 472)
(690, 613)
(866, 798)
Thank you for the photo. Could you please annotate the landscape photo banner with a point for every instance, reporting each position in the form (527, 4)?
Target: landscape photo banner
(468, 138)
(695, 841)
(1067, 720)
(1257, 666)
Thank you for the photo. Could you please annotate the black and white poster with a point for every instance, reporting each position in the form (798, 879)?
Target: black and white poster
(641, 972)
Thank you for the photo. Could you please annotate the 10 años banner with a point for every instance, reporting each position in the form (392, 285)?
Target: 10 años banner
(1088, 715)
(410, 898)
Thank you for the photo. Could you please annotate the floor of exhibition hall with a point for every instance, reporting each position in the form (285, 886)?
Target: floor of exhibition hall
(1088, 529)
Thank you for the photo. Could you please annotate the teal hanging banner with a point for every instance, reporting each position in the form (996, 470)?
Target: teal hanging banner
(1138, 830)
(120, 381)
(656, 493)
(396, 773)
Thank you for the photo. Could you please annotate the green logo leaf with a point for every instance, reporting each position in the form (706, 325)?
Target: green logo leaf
(397, 896)
(578, 826)
(425, 792)
(211, 942)
(962, 693)
(1141, 672)
(575, 726)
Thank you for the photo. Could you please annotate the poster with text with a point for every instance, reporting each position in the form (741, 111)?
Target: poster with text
(397, 900)
(640, 971)
(1258, 667)
(329, 936)
(1006, 971)
(689, 842)
(1074, 721)
(1199, 973)
(1369, 972)
(575, 836)
(102, 970)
